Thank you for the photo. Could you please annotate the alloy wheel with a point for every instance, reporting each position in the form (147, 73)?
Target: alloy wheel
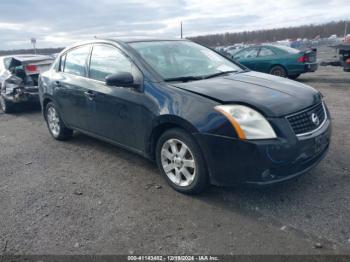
(53, 121)
(278, 71)
(178, 162)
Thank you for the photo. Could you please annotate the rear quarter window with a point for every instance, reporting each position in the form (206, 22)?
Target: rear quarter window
(62, 62)
(56, 64)
(75, 62)
(7, 61)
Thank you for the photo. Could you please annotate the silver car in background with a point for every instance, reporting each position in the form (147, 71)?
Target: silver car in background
(19, 79)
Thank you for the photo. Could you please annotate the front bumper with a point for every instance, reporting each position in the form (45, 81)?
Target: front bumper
(262, 162)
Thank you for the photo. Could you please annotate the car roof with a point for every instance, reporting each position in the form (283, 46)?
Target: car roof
(260, 45)
(144, 39)
(121, 40)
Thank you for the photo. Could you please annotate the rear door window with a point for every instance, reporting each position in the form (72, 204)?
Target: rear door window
(107, 60)
(75, 62)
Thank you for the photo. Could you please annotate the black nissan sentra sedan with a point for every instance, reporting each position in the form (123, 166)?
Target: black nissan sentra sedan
(202, 117)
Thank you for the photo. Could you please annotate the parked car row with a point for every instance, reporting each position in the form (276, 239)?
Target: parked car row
(202, 117)
(231, 49)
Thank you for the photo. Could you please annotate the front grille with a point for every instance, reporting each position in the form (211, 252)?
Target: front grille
(302, 122)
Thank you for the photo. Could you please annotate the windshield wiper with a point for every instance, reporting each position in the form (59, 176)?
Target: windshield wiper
(194, 78)
(184, 78)
(219, 74)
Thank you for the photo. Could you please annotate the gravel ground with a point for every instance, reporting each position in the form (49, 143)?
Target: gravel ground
(84, 196)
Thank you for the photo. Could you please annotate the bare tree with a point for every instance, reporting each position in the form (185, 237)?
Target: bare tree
(306, 31)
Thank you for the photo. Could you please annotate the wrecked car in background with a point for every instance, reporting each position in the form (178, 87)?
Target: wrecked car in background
(343, 60)
(19, 79)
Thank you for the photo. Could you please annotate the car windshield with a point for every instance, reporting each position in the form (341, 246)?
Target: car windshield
(183, 60)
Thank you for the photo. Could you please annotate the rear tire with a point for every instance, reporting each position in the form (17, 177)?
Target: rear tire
(6, 106)
(278, 71)
(181, 162)
(55, 124)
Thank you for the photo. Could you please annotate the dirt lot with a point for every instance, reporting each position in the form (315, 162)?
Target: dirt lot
(86, 196)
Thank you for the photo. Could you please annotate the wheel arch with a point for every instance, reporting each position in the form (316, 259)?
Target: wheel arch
(47, 99)
(162, 124)
(278, 64)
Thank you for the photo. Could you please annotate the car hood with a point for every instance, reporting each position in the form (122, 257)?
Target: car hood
(274, 96)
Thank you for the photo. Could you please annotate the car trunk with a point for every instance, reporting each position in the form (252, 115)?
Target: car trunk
(308, 56)
(32, 65)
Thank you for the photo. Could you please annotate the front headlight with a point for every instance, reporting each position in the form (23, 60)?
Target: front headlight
(249, 124)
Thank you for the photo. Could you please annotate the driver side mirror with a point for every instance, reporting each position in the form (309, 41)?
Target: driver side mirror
(123, 79)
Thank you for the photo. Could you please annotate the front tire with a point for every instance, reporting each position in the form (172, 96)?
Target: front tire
(181, 162)
(55, 124)
(6, 106)
(278, 71)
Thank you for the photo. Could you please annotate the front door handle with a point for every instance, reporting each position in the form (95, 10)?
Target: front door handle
(90, 95)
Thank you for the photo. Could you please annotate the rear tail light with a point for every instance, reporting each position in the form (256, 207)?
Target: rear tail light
(303, 59)
(31, 68)
(348, 61)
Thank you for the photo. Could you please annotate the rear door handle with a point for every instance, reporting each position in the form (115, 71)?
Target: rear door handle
(89, 94)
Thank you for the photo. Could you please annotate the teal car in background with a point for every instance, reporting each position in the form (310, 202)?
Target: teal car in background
(277, 60)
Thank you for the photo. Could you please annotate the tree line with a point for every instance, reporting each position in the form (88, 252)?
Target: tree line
(250, 37)
(270, 35)
(41, 51)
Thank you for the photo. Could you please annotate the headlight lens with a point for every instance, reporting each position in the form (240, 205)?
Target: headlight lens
(248, 123)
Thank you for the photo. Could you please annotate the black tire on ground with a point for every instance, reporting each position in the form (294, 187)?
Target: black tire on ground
(294, 76)
(278, 71)
(200, 180)
(6, 106)
(63, 133)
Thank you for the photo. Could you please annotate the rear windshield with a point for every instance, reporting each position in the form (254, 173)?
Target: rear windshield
(288, 49)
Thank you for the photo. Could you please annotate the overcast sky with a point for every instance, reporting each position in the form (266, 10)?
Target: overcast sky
(61, 22)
